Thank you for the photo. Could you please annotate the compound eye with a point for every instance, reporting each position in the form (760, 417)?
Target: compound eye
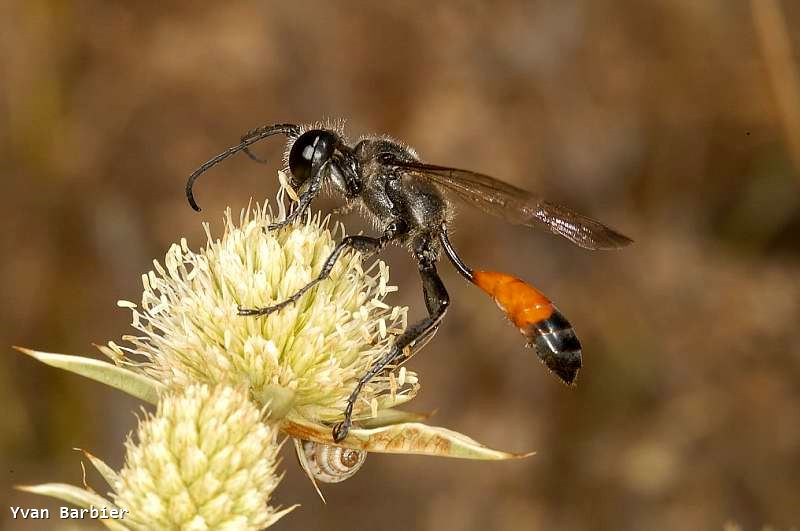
(309, 152)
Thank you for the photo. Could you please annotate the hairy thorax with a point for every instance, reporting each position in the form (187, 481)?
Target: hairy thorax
(389, 195)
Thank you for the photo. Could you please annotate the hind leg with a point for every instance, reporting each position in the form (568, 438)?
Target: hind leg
(437, 300)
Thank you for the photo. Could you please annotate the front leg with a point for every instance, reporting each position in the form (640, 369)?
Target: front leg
(437, 301)
(363, 244)
(303, 204)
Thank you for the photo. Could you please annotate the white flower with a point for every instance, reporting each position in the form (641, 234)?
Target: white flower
(305, 358)
(205, 460)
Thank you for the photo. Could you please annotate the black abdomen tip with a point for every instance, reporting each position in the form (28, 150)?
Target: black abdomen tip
(556, 345)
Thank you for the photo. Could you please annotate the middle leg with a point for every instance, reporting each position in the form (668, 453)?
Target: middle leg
(364, 244)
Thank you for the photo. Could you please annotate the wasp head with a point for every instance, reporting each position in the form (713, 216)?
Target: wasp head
(309, 153)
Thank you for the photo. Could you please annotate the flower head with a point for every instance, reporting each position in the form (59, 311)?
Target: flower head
(304, 358)
(205, 460)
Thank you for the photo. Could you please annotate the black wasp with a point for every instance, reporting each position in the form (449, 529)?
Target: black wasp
(407, 198)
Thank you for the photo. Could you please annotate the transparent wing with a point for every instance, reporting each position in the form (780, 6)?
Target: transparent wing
(518, 206)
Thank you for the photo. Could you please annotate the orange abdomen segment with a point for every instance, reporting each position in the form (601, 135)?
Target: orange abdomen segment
(523, 303)
(544, 327)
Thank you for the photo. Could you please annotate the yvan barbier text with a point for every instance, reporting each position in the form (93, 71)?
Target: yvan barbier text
(68, 513)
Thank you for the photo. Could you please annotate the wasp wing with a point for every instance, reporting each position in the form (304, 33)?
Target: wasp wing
(518, 206)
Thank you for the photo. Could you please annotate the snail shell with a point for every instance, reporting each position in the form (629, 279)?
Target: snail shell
(331, 464)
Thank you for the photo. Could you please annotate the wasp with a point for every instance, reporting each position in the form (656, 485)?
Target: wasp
(409, 201)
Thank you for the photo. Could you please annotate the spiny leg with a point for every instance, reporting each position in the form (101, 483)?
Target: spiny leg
(363, 244)
(304, 201)
(431, 303)
(300, 207)
(437, 300)
(465, 271)
(414, 348)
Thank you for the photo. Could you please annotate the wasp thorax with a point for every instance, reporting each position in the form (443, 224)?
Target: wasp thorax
(332, 464)
(309, 152)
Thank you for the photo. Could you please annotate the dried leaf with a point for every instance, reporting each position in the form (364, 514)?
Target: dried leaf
(405, 438)
(387, 417)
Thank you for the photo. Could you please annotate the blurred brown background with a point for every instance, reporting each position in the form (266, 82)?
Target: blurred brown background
(676, 121)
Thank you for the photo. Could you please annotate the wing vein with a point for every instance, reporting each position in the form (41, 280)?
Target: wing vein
(518, 206)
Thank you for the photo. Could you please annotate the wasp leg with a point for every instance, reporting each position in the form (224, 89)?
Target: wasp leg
(363, 244)
(304, 201)
(437, 300)
(432, 302)
(302, 205)
(414, 348)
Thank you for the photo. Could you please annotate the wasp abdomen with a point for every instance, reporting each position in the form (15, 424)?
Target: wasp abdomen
(545, 328)
(556, 345)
